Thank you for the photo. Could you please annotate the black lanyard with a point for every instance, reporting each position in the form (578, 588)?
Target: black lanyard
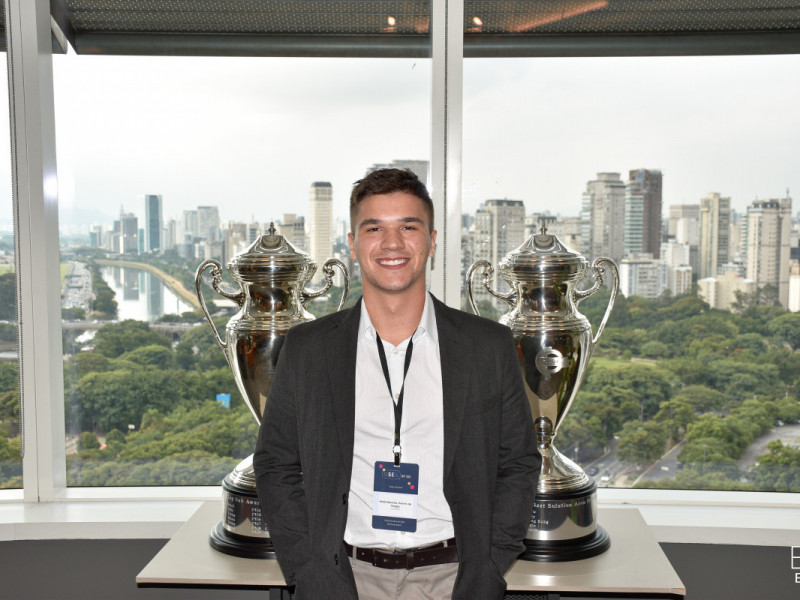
(398, 406)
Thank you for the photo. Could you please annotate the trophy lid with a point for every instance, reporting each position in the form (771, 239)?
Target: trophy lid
(543, 255)
(271, 254)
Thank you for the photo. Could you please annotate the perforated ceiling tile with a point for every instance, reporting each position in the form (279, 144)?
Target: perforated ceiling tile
(249, 16)
(401, 27)
(630, 16)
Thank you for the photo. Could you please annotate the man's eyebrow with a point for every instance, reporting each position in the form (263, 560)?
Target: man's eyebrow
(369, 222)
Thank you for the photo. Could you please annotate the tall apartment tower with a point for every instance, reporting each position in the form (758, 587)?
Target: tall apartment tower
(188, 228)
(603, 214)
(153, 223)
(715, 222)
(769, 226)
(680, 214)
(320, 224)
(208, 223)
(293, 228)
(644, 190)
(499, 229)
(128, 233)
(684, 227)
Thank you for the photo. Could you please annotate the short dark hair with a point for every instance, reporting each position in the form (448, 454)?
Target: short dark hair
(388, 181)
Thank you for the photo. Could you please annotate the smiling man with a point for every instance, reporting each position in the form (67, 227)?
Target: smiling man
(396, 457)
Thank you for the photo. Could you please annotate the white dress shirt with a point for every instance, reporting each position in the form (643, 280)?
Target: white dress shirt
(421, 433)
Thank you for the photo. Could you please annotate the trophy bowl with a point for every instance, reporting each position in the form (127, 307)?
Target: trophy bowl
(272, 276)
(554, 343)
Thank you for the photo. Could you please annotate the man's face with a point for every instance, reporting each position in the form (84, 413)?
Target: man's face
(392, 241)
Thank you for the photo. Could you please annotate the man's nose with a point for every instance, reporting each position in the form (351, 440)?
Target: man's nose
(392, 239)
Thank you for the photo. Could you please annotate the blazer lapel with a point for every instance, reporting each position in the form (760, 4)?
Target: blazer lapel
(453, 345)
(340, 355)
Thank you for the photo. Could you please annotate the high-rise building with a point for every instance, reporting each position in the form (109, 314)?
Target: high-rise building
(682, 213)
(603, 214)
(188, 226)
(634, 223)
(293, 228)
(236, 239)
(320, 224)
(676, 257)
(684, 226)
(568, 230)
(644, 185)
(768, 237)
(170, 238)
(153, 223)
(534, 222)
(96, 236)
(499, 229)
(419, 167)
(642, 275)
(128, 233)
(715, 219)
(208, 223)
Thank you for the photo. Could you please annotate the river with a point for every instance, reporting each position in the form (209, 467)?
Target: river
(141, 295)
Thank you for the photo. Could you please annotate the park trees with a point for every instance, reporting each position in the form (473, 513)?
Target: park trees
(642, 443)
(779, 469)
(115, 339)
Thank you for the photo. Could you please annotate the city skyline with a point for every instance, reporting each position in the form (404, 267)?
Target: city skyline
(252, 134)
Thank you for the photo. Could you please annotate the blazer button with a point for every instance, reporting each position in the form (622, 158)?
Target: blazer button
(344, 498)
(336, 559)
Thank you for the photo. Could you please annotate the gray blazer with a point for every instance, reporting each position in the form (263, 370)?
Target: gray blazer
(304, 454)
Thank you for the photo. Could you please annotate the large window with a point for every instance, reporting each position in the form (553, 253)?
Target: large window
(165, 163)
(693, 383)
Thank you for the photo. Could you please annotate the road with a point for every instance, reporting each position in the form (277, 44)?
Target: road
(666, 466)
(790, 434)
(611, 471)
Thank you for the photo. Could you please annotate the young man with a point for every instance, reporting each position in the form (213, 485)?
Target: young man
(396, 457)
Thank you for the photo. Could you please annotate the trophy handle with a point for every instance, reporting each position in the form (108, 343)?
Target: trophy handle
(598, 271)
(488, 271)
(216, 278)
(327, 274)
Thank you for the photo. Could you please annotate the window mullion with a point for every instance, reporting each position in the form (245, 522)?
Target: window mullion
(447, 50)
(37, 258)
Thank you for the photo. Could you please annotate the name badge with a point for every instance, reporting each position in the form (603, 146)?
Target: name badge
(394, 499)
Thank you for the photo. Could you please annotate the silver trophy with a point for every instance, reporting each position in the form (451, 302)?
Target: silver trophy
(272, 276)
(554, 344)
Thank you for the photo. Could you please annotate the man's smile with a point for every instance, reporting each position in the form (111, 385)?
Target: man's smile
(391, 262)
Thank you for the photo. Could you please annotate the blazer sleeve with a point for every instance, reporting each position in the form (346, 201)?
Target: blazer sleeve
(278, 471)
(518, 469)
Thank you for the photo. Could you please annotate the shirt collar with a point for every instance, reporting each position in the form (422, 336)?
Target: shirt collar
(426, 327)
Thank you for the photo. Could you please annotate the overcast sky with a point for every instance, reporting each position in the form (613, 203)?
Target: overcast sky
(251, 135)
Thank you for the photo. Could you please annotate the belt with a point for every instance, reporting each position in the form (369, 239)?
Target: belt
(437, 554)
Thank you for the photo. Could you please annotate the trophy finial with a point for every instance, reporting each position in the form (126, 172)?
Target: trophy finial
(271, 228)
(543, 230)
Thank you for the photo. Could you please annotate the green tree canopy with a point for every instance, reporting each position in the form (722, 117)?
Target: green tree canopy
(642, 443)
(786, 328)
(779, 469)
(88, 441)
(151, 356)
(115, 339)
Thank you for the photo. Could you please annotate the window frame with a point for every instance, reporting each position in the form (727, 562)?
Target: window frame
(37, 238)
